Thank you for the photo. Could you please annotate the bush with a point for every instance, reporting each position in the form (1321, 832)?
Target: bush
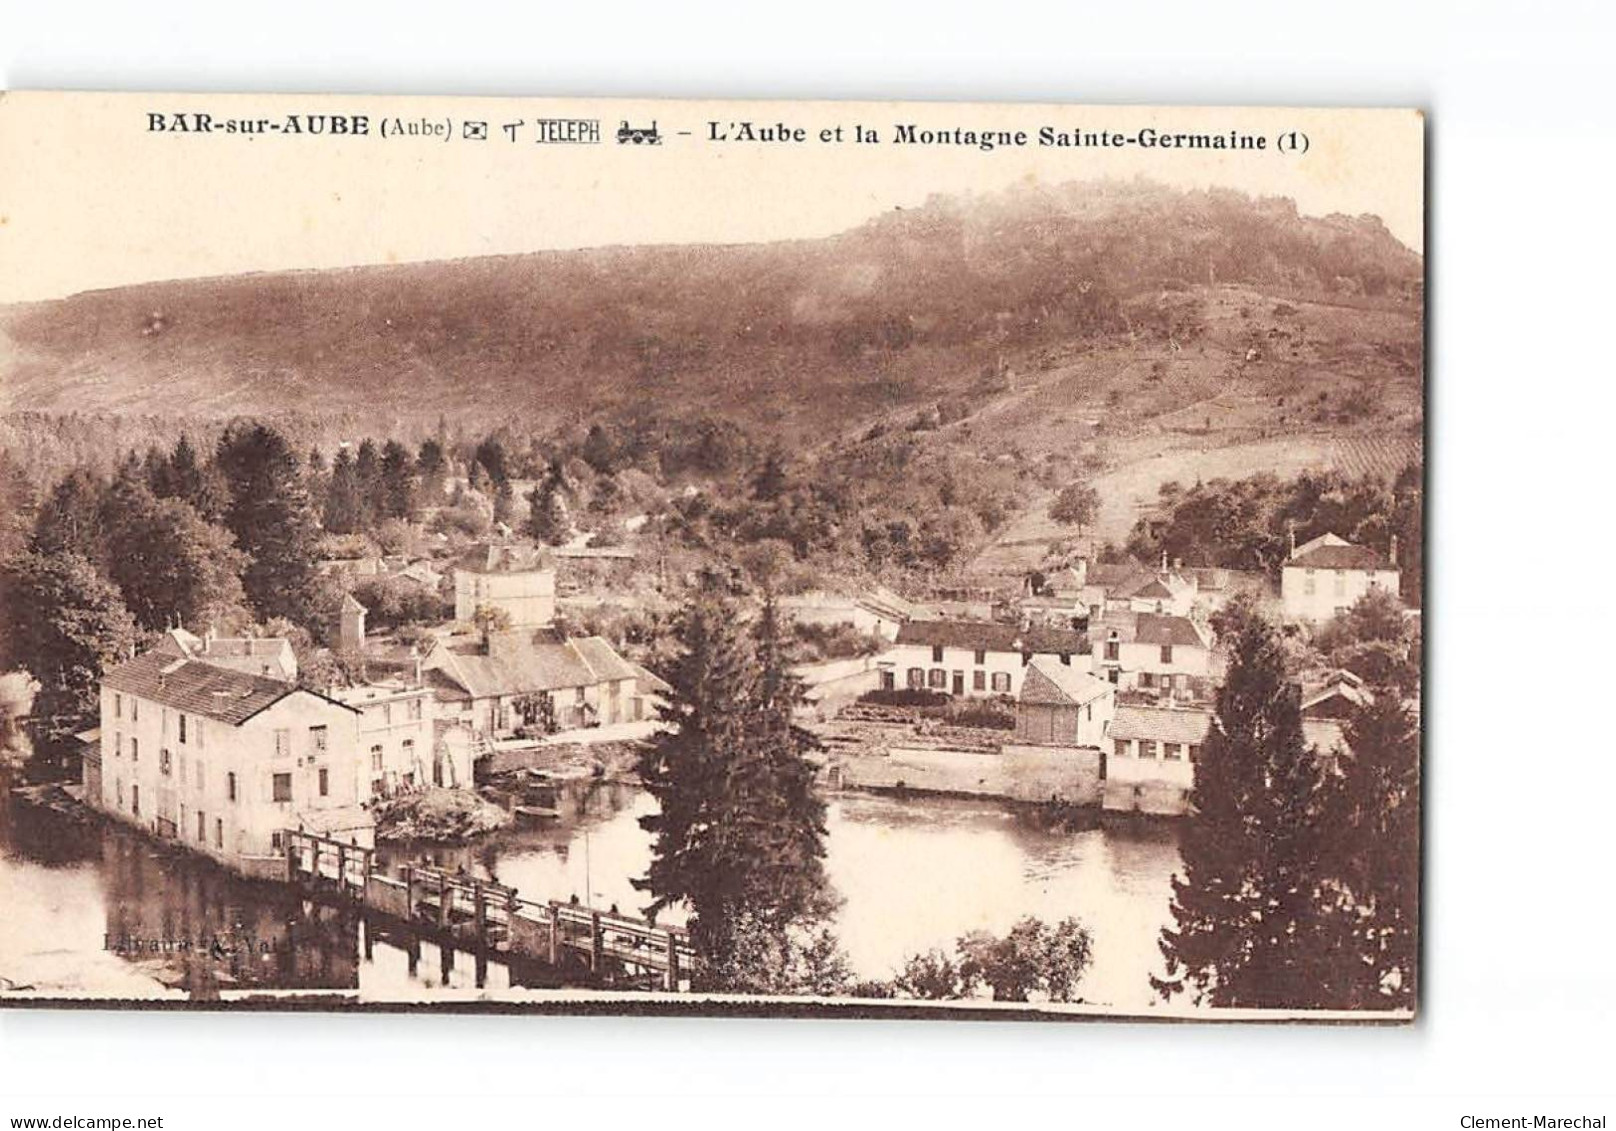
(906, 697)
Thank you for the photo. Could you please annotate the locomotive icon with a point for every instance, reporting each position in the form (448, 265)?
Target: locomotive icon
(638, 135)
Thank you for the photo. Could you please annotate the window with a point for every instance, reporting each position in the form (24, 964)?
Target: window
(979, 681)
(275, 841)
(165, 761)
(1146, 679)
(580, 696)
(1195, 752)
(1309, 584)
(415, 710)
(117, 746)
(134, 800)
(317, 740)
(201, 826)
(119, 784)
(196, 728)
(325, 782)
(916, 679)
(1147, 748)
(376, 758)
(409, 751)
(283, 743)
(1121, 747)
(387, 714)
(1001, 681)
(1113, 647)
(201, 775)
(937, 678)
(1340, 583)
(1172, 751)
(282, 787)
(936, 653)
(981, 656)
(230, 785)
(218, 833)
(117, 705)
(182, 727)
(134, 749)
(1167, 653)
(134, 710)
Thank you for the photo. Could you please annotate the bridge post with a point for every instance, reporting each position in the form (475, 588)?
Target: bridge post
(670, 981)
(342, 867)
(481, 911)
(314, 860)
(555, 935)
(291, 857)
(597, 943)
(409, 893)
(443, 900)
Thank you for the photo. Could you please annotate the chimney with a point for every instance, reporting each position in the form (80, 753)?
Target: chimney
(1394, 551)
(1164, 561)
(1293, 539)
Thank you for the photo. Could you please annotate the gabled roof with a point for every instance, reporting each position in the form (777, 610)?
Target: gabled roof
(1107, 575)
(981, 636)
(504, 557)
(1338, 557)
(527, 660)
(197, 688)
(1153, 628)
(647, 680)
(1049, 681)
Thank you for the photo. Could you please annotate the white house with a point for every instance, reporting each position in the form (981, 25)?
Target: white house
(224, 761)
(1322, 578)
(519, 580)
(526, 678)
(973, 658)
(1153, 753)
(1169, 656)
(402, 746)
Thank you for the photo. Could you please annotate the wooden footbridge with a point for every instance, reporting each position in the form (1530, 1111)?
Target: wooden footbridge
(491, 919)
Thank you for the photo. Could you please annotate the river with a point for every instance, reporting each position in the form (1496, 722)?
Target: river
(101, 911)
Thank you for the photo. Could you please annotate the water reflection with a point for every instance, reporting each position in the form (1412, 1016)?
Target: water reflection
(913, 874)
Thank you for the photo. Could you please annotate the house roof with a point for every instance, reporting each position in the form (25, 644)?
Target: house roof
(1332, 556)
(270, 656)
(504, 557)
(349, 605)
(602, 659)
(527, 660)
(1109, 574)
(1172, 724)
(647, 680)
(1153, 628)
(982, 636)
(1160, 724)
(197, 688)
(1049, 681)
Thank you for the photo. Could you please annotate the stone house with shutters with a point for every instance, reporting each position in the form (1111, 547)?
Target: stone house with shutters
(1322, 578)
(223, 761)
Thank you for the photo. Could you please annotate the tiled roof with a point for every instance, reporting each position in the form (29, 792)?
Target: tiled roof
(1107, 575)
(1170, 724)
(647, 680)
(197, 688)
(1050, 681)
(1338, 557)
(517, 662)
(1152, 628)
(987, 637)
(1160, 724)
(602, 659)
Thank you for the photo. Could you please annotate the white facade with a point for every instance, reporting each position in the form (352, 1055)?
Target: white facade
(398, 741)
(974, 673)
(229, 791)
(526, 596)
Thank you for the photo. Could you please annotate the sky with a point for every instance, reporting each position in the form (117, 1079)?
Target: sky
(91, 197)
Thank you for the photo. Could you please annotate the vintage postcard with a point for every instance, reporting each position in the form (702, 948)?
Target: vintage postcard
(598, 555)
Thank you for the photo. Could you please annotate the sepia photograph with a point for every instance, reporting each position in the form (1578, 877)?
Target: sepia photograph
(913, 560)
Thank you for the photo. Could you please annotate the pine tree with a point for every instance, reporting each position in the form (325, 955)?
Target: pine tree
(63, 622)
(69, 521)
(372, 489)
(1372, 832)
(398, 480)
(548, 518)
(1247, 904)
(432, 469)
(272, 519)
(171, 566)
(344, 498)
(739, 830)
